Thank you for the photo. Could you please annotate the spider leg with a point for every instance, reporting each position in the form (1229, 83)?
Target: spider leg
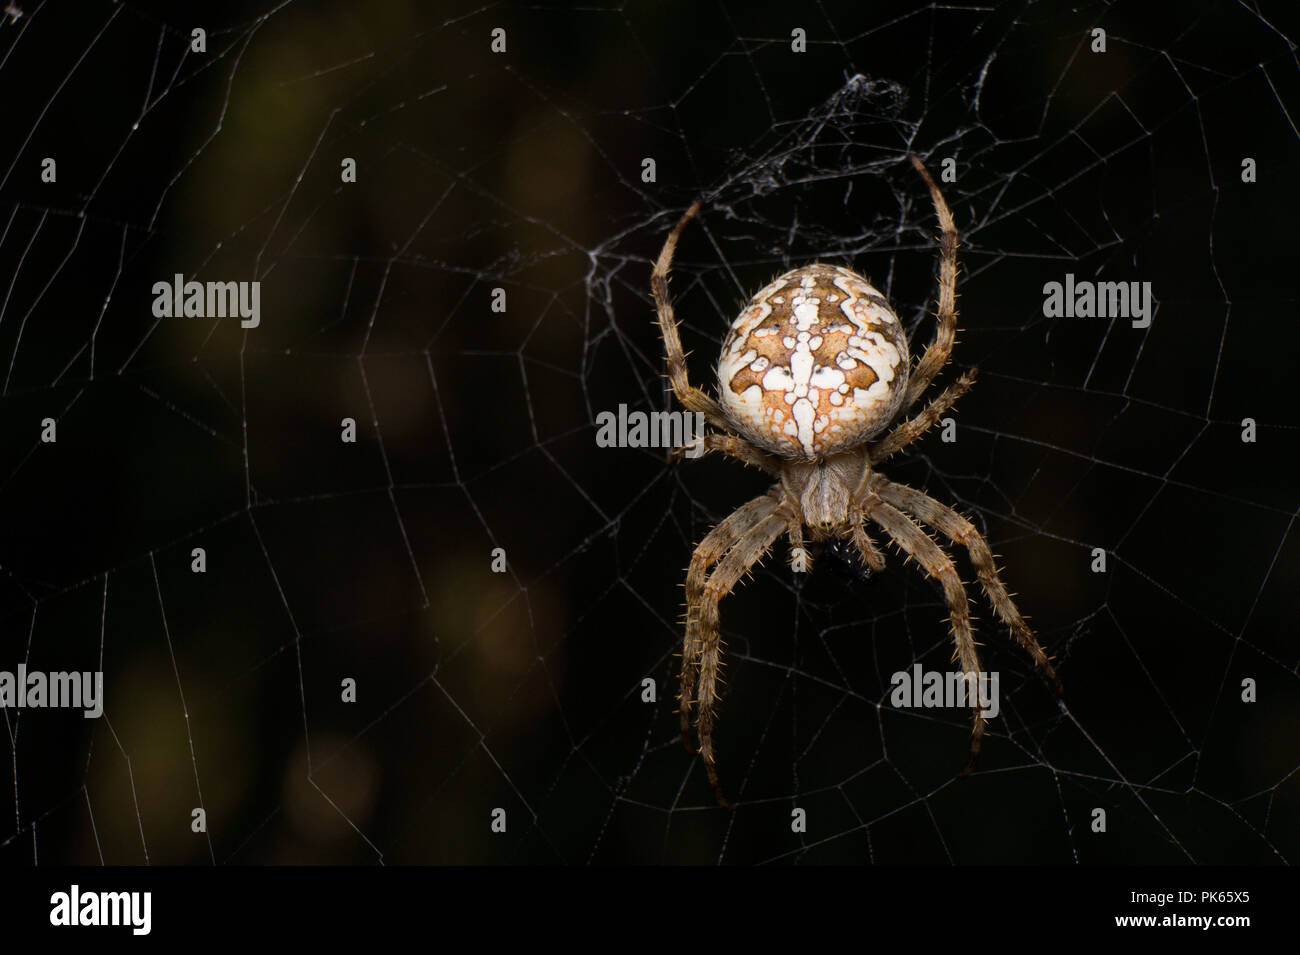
(711, 550)
(702, 599)
(907, 432)
(936, 355)
(938, 565)
(955, 527)
(693, 399)
(865, 545)
(733, 447)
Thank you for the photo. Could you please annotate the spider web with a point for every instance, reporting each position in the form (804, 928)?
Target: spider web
(523, 171)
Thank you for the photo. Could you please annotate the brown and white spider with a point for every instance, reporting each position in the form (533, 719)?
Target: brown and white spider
(813, 369)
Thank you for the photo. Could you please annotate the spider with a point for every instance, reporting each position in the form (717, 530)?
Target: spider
(812, 375)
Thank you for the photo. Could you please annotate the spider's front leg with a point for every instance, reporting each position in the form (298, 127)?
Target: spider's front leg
(916, 542)
(745, 542)
(959, 530)
(711, 550)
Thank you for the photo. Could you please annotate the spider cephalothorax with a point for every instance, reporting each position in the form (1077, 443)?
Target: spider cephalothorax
(813, 373)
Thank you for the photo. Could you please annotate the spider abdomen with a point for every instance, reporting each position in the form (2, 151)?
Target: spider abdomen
(815, 364)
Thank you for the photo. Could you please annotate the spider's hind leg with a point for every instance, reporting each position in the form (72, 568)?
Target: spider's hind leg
(693, 399)
(939, 350)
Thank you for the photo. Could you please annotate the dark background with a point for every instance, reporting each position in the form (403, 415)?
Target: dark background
(522, 171)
